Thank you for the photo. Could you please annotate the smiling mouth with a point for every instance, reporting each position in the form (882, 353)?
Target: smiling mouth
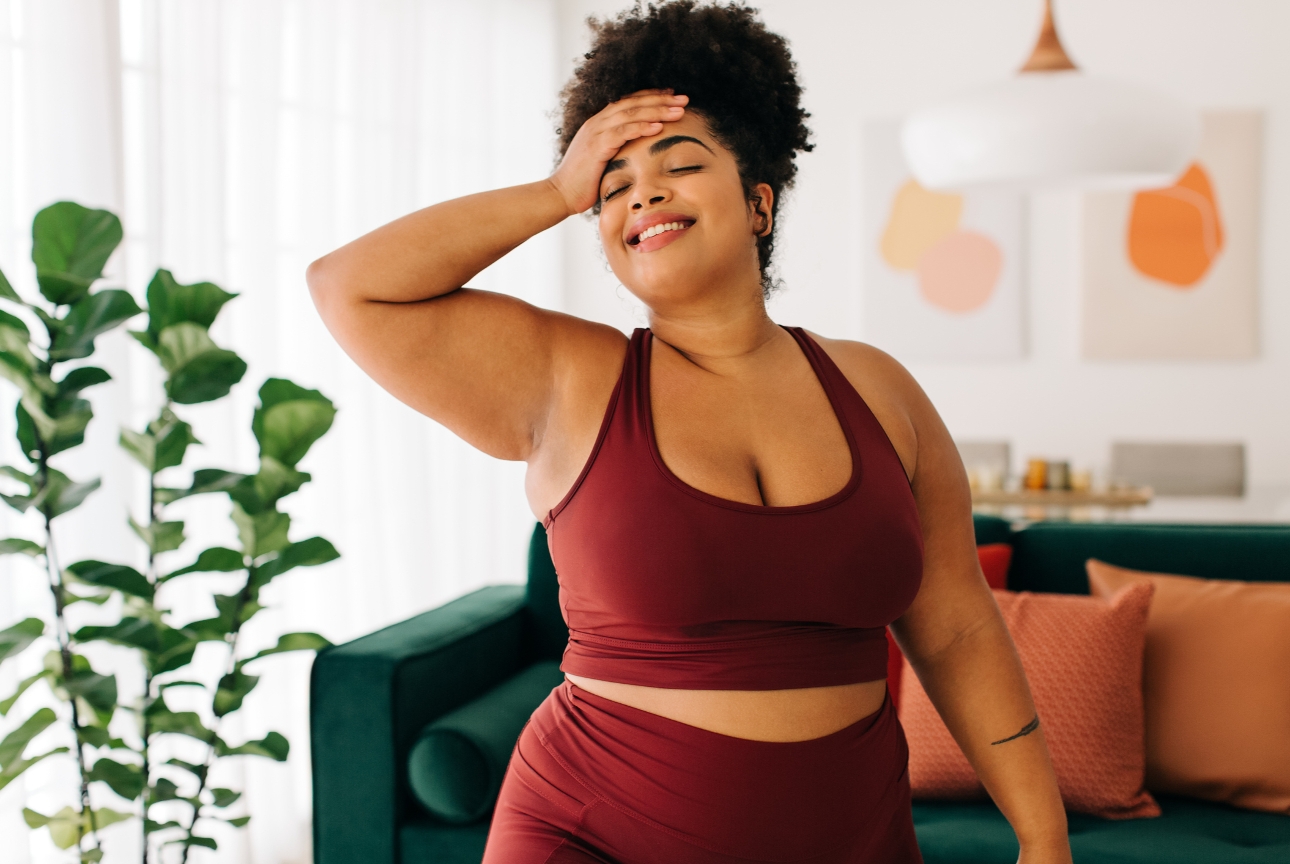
(655, 230)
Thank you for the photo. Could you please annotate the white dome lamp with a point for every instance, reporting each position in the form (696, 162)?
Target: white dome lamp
(1052, 125)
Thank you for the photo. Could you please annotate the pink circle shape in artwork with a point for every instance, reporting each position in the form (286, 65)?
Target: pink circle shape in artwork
(960, 272)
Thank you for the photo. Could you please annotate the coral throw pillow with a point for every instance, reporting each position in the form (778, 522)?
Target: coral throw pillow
(994, 558)
(1216, 686)
(1083, 660)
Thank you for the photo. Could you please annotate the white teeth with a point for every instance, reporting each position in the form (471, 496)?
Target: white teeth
(655, 230)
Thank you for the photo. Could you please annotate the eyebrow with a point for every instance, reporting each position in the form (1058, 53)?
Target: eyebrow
(656, 148)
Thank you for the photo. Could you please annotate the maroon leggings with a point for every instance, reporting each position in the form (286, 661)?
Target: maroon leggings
(593, 780)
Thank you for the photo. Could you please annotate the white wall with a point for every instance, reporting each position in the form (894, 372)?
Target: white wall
(868, 58)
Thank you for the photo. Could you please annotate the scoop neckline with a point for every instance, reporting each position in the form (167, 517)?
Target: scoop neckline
(853, 482)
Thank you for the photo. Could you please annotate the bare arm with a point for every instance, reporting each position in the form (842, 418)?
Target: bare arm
(953, 633)
(959, 646)
(493, 369)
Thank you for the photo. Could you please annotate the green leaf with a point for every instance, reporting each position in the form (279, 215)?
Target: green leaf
(140, 445)
(262, 533)
(225, 797)
(7, 705)
(19, 546)
(206, 480)
(70, 244)
(131, 632)
(61, 428)
(97, 599)
(6, 290)
(151, 827)
(68, 826)
(160, 536)
(198, 771)
(93, 856)
(19, 502)
(26, 433)
(306, 553)
(162, 719)
(61, 494)
(15, 339)
(16, 742)
(198, 369)
(14, 769)
(289, 420)
(173, 437)
(233, 688)
(98, 691)
(164, 790)
(89, 318)
(293, 642)
(239, 822)
(216, 559)
(273, 746)
(21, 376)
(125, 579)
(169, 303)
(262, 490)
(81, 378)
(123, 779)
(96, 736)
(16, 638)
(194, 840)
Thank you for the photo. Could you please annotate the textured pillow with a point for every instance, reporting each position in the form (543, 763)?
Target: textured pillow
(1216, 686)
(994, 558)
(455, 768)
(1083, 659)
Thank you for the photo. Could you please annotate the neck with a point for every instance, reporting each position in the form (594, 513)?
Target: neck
(719, 329)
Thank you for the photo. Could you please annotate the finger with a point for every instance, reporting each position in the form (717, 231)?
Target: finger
(632, 131)
(649, 112)
(659, 98)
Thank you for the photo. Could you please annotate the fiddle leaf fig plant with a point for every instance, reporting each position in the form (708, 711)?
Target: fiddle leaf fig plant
(71, 245)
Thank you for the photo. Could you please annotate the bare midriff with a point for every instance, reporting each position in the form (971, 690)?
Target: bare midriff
(758, 715)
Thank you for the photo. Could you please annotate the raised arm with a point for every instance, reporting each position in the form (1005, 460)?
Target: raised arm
(493, 369)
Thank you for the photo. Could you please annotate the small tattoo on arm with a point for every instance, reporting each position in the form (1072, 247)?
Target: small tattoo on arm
(1025, 730)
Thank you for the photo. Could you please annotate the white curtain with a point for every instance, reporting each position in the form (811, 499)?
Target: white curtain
(238, 140)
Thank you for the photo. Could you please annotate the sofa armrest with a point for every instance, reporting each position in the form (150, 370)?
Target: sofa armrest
(370, 698)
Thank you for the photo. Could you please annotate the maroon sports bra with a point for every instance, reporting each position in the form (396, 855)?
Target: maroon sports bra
(664, 585)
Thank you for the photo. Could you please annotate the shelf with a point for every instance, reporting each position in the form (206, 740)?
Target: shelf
(1132, 497)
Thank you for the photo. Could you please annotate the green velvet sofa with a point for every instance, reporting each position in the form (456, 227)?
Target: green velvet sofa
(372, 697)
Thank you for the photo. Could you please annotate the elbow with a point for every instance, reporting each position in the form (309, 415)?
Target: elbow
(317, 275)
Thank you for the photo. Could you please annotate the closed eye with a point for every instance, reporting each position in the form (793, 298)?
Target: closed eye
(685, 168)
(613, 192)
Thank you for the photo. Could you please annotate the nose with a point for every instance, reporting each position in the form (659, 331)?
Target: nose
(656, 199)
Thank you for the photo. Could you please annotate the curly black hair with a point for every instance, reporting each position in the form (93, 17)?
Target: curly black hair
(739, 76)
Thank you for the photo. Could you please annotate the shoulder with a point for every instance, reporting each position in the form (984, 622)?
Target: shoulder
(887, 388)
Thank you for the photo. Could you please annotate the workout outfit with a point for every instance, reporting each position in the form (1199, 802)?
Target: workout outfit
(664, 585)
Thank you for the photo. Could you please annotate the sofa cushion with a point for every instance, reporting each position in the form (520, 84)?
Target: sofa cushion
(1186, 832)
(1216, 686)
(1083, 660)
(456, 767)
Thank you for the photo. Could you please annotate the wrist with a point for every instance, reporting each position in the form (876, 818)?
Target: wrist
(566, 208)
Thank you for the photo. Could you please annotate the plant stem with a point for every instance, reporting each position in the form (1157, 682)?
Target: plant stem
(243, 598)
(65, 652)
(145, 726)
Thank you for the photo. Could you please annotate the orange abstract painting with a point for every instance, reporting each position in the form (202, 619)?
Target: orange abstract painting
(1175, 233)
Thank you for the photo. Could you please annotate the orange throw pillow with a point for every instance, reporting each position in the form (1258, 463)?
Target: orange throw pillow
(994, 558)
(1083, 659)
(1216, 686)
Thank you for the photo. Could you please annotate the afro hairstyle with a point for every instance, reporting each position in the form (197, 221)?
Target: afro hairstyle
(740, 78)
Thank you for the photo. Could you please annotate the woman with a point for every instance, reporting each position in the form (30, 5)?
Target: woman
(736, 509)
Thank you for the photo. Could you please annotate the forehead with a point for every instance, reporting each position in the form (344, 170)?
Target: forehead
(691, 124)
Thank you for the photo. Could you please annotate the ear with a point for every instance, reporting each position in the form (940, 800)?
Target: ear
(761, 205)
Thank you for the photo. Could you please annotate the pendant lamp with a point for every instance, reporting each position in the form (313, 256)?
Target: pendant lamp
(1052, 125)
